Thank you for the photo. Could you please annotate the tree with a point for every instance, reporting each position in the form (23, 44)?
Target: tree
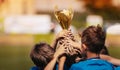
(104, 8)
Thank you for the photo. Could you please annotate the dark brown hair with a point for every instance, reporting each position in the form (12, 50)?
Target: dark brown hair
(94, 38)
(104, 51)
(41, 55)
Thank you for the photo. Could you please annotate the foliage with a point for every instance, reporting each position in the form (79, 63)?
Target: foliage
(104, 8)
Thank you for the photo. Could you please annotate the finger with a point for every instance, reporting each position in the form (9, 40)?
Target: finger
(70, 49)
(77, 51)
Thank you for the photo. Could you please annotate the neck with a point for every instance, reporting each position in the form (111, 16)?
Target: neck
(91, 55)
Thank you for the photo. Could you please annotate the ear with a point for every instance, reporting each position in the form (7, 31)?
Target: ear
(84, 47)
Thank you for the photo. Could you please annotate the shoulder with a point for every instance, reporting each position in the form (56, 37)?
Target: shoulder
(100, 61)
(101, 64)
(93, 64)
(78, 66)
(75, 67)
(105, 62)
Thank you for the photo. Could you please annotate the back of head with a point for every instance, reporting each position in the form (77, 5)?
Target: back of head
(94, 38)
(104, 51)
(41, 55)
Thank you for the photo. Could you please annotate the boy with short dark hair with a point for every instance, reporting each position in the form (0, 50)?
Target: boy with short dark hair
(93, 40)
(41, 55)
(44, 56)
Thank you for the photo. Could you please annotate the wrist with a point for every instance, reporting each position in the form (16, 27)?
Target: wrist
(55, 56)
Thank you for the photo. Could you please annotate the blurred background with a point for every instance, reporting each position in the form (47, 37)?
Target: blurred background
(26, 22)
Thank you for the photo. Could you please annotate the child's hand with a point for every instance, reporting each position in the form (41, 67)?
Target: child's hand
(61, 50)
(65, 34)
(74, 44)
(62, 33)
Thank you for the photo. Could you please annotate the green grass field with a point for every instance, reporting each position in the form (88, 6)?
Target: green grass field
(17, 57)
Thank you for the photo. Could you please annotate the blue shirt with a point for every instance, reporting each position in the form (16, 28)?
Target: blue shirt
(117, 68)
(92, 64)
(34, 68)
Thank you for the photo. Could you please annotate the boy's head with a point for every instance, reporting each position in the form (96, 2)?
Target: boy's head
(41, 54)
(94, 38)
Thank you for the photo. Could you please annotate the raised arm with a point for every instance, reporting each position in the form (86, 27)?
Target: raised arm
(61, 63)
(60, 51)
(110, 59)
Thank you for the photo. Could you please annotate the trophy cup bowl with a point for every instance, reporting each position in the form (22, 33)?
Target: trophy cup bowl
(64, 17)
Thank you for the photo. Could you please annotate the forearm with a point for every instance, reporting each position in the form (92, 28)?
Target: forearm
(115, 61)
(54, 43)
(110, 59)
(50, 66)
(61, 63)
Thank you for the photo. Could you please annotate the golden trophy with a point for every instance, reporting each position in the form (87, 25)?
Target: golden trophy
(64, 18)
